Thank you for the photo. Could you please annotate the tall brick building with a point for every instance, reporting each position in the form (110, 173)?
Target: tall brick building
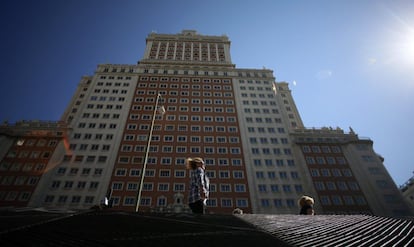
(245, 125)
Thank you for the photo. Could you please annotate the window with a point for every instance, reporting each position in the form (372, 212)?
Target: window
(225, 188)
(164, 173)
(226, 202)
(259, 174)
(163, 187)
(265, 203)
(262, 188)
(224, 174)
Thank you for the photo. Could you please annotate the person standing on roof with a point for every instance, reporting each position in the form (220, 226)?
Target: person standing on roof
(199, 185)
(306, 205)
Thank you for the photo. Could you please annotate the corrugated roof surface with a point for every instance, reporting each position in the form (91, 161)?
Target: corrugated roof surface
(335, 230)
(110, 228)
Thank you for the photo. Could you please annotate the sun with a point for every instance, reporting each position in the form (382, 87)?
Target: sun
(406, 47)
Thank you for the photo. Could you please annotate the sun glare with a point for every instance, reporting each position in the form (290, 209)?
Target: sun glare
(407, 48)
(402, 40)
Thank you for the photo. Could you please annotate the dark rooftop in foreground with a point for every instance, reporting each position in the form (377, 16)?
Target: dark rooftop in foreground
(113, 228)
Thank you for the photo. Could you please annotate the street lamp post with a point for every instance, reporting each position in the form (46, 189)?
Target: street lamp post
(146, 155)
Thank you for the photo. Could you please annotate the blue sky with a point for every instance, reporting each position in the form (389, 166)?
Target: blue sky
(348, 63)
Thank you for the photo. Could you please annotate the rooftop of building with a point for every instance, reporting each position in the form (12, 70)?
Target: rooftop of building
(407, 185)
(188, 34)
(113, 228)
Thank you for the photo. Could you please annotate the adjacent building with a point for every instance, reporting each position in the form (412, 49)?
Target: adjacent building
(407, 190)
(259, 155)
(28, 153)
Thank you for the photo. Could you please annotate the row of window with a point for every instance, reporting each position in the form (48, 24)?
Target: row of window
(122, 70)
(79, 185)
(186, 118)
(188, 45)
(90, 147)
(330, 172)
(180, 149)
(76, 199)
(258, 88)
(188, 56)
(177, 79)
(176, 72)
(264, 111)
(95, 125)
(335, 200)
(182, 128)
(336, 185)
(263, 130)
(36, 142)
(215, 92)
(195, 49)
(341, 200)
(170, 109)
(116, 84)
(130, 201)
(75, 171)
(278, 203)
(165, 173)
(97, 136)
(330, 160)
(107, 91)
(270, 162)
(181, 161)
(28, 154)
(275, 188)
(186, 72)
(260, 95)
(177, 187)
(255, 102)
(24, 167)
(194, 101)
(258, 82)
(106, 98)
(276, 175)
(86, 158)
(321, 149)
(179, 138)
(368, 158)
(107, 107)
(269, 151)
(98, 115)
(265, 140)
(19, 180)
(162, 202)
(19, 196)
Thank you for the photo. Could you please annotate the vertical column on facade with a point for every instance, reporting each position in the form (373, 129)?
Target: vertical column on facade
(192, 52)
(198, 45)
(158, 49)
(148, 49)
(227, 57)
(216, 52)
(184, 47)
(208, 52)
(175, 50)
(166, 51)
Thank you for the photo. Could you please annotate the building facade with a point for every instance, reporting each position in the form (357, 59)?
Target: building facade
(407, 190)
(347, 174)
(28, 153)
(243, 123)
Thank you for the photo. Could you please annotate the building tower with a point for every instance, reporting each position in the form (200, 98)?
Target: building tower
(245, 125)
(192, 75)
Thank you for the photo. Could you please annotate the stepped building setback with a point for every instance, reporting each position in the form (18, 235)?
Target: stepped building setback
(185, 98)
